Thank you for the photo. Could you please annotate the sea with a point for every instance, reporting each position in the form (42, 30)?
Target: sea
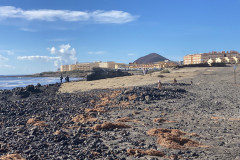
(10, 82)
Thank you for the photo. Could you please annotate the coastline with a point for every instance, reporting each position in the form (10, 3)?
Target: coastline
(11, 82)
(121, 122)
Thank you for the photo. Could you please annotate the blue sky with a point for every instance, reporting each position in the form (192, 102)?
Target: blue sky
(37, 36)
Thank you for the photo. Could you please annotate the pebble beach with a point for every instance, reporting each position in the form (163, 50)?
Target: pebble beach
(125, 118)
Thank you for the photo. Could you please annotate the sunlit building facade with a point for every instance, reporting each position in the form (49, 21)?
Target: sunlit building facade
(225, 57)
(90, 66)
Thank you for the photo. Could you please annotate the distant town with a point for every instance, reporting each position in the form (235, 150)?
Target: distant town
(156, 61)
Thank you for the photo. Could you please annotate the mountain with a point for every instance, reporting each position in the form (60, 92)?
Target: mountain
(150, 58)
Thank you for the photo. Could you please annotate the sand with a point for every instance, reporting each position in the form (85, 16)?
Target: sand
(135, 80)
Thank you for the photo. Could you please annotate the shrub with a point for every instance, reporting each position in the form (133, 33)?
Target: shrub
(165, 71)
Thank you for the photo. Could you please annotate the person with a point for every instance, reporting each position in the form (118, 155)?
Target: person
(67, 79)
(61, 78)
(159, 84)
(174, 80)
(144, 71)
(191, 82)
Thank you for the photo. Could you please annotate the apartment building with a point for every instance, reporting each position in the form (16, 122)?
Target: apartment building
(160, 64)
(90, 66)
(64, 68)
(228, 57)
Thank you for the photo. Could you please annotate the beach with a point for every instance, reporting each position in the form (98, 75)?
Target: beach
(126, 118)
(130, 81)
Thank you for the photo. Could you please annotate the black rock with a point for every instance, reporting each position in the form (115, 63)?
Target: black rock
(30, 88)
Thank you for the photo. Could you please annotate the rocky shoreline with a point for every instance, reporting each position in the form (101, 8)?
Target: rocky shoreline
(181, 121)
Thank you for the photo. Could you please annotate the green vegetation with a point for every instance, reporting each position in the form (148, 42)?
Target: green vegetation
(165, 71)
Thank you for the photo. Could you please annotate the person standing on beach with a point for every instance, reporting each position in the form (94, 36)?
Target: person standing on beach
(174, 80)
(67, 79)
(144, 71)
(61, 78)
(159, 84)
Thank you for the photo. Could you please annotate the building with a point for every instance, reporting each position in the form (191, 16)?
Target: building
(90, 66)
(110, 65)
(121, 66)
(218, 57)
(84, 66)
(64, 68)
(157, 65)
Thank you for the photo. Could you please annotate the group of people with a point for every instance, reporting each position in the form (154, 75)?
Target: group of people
(66, 78)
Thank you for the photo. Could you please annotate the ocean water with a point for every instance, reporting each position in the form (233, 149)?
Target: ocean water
(7, 82)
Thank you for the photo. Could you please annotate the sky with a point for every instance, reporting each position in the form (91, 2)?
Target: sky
(41, 35)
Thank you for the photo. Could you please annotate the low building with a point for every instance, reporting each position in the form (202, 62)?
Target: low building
(89, 66)
(218, 57)
(110, 65)
(121, 66)
(157, 65)
(64, 68)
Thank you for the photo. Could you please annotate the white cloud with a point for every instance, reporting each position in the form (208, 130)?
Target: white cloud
(66, 15)
(2, 58)
(96, 52)
(44, 58)
(112, 17)
(42, 14)
(52, 50)
(2, 61)
(65, 55)
(8, 52)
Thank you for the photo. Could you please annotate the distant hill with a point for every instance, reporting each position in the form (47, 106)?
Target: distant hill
(150, 58)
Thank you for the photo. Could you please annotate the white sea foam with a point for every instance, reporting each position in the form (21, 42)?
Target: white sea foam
(12, 82)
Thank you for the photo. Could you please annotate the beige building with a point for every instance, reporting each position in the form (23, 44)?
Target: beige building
(121, 66)
(107, 65)
(88, 66)
(160, 64)
(84, 66)
(64, 68)
(215, 56)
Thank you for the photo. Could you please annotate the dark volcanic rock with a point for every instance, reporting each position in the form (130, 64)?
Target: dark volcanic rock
(30, 88)
(208, 111)
(58, 137)
(102, 73)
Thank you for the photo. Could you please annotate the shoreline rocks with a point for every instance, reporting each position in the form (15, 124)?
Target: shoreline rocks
(64, 134)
